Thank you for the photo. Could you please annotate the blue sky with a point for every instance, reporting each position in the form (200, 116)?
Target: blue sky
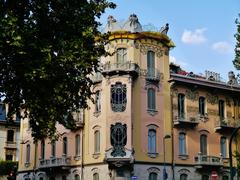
(203, 31)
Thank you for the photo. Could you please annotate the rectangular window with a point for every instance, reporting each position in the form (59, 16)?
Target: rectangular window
(181, 106)
(182, 144)
(97, 142)
(152, 141)
(65, 146)
(202, 106)
(203, 144)
(151, 99)
(150, 64)
(28, 153)
(53, 150)
(43, 149)
(98, 101)
(221, 109)
(77, 145)
(10, 136)
(223, 147)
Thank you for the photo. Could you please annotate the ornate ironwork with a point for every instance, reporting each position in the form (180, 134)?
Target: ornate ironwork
(118, 139)
(118, 97)
(192, 95)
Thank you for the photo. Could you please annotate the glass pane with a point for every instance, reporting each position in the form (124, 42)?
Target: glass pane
(183, 177)
(152, 176)
(203, 144)
(77, 145)
(150, 63)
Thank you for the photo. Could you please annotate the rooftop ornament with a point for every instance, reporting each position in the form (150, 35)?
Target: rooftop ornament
(132, 24)
(232, 80)
(164, 29)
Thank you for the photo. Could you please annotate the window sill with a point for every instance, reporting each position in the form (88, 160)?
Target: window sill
(96, 155)
(152, 155)
(183, 156)
(152, 112)
(97, 113)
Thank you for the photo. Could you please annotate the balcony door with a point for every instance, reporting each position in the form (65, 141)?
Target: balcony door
(150, 64)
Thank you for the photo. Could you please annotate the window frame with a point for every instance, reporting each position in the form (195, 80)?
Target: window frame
(151, 99)
(77, 145)
(202, 105)
(95, 176)
(203, 144)
(223, 146)
(221, 109)
(118, 97)
(183, 176)
(151, 64)
(53, 148)
(42, 149)
(97, 142)
(98, 101)
(181, 105)
(28, 153)
(10, 136)
(121, 56)
(65, 145)
(152, 176)
(152, 141)
(182, 148)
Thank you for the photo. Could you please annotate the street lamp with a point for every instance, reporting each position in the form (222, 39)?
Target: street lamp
(164, 160)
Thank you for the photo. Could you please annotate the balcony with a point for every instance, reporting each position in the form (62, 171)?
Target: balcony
(226, 125)
(10, 145)
(202, 161)
(120, 68)
(181, 121)
(152, 74)
(78, 116)
(97, 77)
(55, 162)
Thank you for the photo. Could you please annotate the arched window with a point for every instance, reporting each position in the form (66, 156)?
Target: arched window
(64, 177)
(77, 145)
(97, 141)
(221, 108)
(95, 176)
(28, 153)
(223, 146)
(41, 178)
(150, 64)
(152, 176)
(118, 97)
(181, 106)
(151, 99)
(182, 144)
(98, 101)
(203, 144)
(151, 141)
(121, 56)
(76, 177)
(10, 135)
(183, 177)
(53, 148)
(65, 145)
(43, 149)
(201, 102)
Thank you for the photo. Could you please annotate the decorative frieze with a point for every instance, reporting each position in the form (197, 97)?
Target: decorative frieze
(212, 99)
(192, 95)
(144, 48)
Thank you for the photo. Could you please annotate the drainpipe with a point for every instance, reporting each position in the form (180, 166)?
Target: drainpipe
(172, 134)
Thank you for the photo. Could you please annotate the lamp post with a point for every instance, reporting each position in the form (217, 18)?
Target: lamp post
(164, 160)
(230, 151)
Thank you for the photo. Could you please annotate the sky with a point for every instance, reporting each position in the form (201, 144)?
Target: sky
(202, 30)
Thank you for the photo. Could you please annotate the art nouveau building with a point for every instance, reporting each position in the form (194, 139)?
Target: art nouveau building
(9, 136)
(123, 132)
(205, 112)
(146, 119)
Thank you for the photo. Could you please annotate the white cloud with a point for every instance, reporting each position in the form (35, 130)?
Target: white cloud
(194, 37)
(178, 62)
(222, 47)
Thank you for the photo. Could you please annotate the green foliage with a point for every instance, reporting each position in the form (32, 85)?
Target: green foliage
(237, 156)
(47, 51)
(8, 166)
(236, 60)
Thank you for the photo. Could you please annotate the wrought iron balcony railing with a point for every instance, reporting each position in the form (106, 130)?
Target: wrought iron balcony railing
(151, 74)
(127, 67)
(226, 124)
(182, 121)
(55, 162)
(11, 145)
(205, 160)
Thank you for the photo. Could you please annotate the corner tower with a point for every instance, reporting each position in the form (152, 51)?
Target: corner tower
(128, 126)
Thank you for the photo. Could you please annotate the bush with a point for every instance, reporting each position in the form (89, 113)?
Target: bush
(8, 166)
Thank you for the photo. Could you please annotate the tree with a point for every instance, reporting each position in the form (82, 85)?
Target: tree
(236, 60)
(48, 49)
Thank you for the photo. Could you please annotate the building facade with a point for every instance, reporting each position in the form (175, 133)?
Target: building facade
(147, 121)
(205, 111)
(9, 136)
